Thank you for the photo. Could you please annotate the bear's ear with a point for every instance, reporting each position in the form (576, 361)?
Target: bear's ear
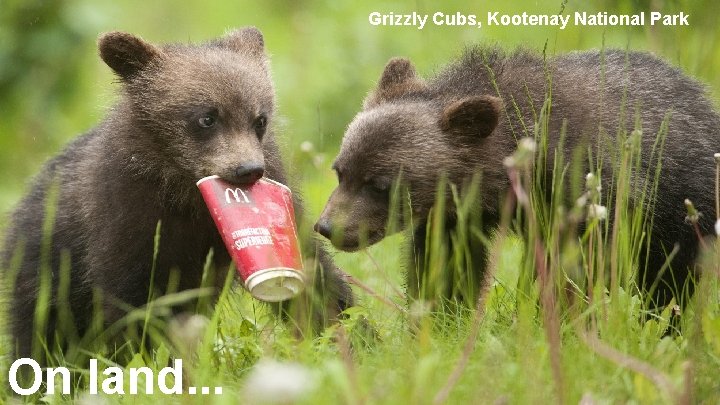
(245, 40)
(126, 54)
(398, 78)
(472, 117)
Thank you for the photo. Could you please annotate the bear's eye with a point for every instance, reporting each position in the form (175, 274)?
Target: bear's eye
(378, 186)
(260, 125)
(208, 120)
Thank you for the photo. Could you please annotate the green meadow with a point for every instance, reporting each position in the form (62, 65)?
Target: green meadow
(566, 325)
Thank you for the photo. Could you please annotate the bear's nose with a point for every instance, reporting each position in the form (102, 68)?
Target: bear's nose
(323, 227)
(249, 173)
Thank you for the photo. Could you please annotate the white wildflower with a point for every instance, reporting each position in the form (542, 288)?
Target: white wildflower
(523, 156)
(693, 215)
(187, 330)
(597, 211)
(582, 201)
(278, 383)
(420, 309)
(527, 145)
(307, 147)
(592, 183)
(587, 399)
(319, 159)
(717, 227)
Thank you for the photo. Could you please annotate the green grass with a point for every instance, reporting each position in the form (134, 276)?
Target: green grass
(526, 345)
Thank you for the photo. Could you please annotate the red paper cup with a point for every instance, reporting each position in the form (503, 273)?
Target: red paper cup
(257, 224)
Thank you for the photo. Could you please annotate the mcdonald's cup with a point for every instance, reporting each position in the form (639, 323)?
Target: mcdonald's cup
(257, 224)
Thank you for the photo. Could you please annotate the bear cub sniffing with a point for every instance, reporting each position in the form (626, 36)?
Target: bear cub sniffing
(468, 118)
(185, 112)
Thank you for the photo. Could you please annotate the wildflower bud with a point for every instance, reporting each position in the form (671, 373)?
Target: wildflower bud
(307, 147)
(278, 383)
(693, 215)
(187, 330)
(597, 211)
(420, 309)
(593, 186)
(587, 399)
(582, 201)
(524, 154)
(676, 311)
(592, 183)
(527, 145)
(717, 158)
(319, 159)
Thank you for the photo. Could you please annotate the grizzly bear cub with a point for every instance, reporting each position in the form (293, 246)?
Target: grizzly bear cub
(468, 118)
(186, 112)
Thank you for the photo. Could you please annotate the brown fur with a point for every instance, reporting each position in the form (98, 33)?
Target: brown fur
(466, 121)
(139, 166)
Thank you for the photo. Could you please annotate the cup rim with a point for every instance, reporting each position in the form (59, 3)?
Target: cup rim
(265, 179)
(293, 277)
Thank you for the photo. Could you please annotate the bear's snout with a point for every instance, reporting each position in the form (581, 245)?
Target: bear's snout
(323, 227)
(248, 173)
